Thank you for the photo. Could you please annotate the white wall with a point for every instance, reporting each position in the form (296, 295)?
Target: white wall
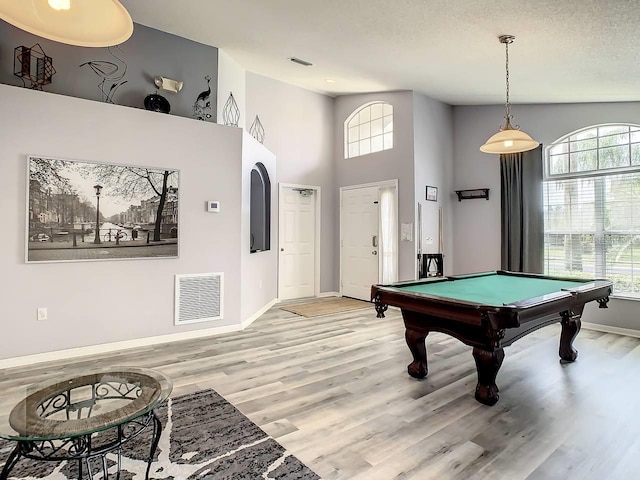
(231, 79)
(477, 222)
(259, 279)
(92, 303)
(298, 128)
(433, 142)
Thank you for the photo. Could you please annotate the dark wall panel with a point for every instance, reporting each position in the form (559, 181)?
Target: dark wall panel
(147, 53)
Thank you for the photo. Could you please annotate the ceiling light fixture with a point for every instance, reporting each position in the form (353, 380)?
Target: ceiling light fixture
(510, 139)
(84, 23)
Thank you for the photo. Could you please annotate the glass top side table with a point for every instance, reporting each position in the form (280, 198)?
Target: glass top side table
(58, 419)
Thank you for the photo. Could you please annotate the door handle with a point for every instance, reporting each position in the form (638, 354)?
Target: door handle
(374, 241)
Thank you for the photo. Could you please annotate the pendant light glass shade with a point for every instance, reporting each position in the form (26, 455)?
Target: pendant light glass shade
(85, 23)
(509, 139)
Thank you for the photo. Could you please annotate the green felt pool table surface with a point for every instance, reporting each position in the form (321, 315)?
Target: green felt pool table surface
(491, 289)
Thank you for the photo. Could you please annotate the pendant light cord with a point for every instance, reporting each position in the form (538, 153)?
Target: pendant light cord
(508, 104)
(507, 39)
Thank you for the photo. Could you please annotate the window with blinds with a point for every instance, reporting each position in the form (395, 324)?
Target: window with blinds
(592, 206)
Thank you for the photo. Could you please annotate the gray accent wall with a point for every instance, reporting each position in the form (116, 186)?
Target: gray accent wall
(421, 155)
(476, 223)
(148, 53)
(385, 165)
(92, 303)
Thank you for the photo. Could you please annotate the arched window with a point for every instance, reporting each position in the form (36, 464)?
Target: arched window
(369, 129)
(260, 215)
(592, 205)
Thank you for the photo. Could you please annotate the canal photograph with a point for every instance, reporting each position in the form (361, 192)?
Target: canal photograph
(82, 211)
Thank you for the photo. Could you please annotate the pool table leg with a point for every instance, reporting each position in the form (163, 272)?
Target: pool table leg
(487, 363)
(416, 340)
(571, 324)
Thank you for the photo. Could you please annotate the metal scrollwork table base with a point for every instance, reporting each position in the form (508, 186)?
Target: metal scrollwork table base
(85, 418)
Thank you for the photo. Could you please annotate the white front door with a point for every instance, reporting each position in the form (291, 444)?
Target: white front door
(297, 243)
(359, 241)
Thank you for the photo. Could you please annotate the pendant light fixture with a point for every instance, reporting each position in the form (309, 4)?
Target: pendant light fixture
(510, 139)
(84, 23)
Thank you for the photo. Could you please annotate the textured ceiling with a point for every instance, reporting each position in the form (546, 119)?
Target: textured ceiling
(565, 51)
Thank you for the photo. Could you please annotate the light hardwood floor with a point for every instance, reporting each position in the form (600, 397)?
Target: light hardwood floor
(335, 392)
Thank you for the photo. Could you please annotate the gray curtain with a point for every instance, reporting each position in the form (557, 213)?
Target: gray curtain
(522, 214)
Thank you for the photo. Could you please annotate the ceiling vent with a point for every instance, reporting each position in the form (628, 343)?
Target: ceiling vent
(299, 61)
(198, 298)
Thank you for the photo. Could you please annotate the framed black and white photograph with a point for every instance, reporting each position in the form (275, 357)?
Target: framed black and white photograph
(83, 211)
(432, 193)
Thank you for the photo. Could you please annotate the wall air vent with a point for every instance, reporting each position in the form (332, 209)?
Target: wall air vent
(198, 298)
(299, 61)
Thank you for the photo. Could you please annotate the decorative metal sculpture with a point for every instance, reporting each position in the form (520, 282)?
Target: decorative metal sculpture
(257, 130)
(231, 112)
(33, 65)
(202, 105)
(111, 74)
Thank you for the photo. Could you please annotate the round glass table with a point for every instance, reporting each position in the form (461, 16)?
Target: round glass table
(84, 417)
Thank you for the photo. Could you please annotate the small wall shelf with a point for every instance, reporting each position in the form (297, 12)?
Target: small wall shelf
(472, 194)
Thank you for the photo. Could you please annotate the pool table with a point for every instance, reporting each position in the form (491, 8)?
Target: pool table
(488, 311)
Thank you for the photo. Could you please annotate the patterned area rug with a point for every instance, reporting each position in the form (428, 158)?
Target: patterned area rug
(327, 306)
(204, 437)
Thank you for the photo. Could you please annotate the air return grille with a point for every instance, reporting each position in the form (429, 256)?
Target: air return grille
(198, 297)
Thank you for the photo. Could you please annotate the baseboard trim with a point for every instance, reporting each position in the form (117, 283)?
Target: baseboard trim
(258, 314)
(127, 344)
(329, 294)
(609, 329)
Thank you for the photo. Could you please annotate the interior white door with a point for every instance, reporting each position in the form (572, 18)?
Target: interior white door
(359, 229)
(297, 243)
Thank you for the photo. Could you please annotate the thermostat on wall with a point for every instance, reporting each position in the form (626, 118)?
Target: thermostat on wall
(213, 206)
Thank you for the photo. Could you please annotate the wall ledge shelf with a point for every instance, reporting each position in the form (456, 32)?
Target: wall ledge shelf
(473, 194)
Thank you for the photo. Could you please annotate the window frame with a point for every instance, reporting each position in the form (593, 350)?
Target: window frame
(598, 176)
(597, 171)
(369, 136)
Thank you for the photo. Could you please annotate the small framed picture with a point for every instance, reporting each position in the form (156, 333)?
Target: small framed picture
(432, 193)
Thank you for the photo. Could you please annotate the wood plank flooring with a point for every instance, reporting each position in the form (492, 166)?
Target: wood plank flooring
(335, 392)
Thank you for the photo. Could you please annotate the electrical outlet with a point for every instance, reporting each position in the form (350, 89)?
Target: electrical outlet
(42, 314)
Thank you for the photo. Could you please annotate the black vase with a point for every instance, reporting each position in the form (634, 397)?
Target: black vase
(157, 103)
